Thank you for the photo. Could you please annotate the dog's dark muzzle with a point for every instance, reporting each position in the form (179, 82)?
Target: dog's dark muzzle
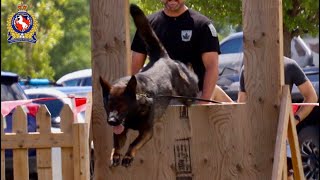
(115, 119)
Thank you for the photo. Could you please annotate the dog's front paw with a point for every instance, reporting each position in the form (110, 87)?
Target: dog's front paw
(115, 160)
(127, 160)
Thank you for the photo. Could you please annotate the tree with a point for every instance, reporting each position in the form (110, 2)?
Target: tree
(299, 16)
(74, 49)
(32, 59)
(63, 35)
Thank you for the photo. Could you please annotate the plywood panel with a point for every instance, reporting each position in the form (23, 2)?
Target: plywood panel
(215, 142)
(204, 143)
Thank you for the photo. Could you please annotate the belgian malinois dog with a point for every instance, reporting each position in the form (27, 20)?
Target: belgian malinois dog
(136, 102)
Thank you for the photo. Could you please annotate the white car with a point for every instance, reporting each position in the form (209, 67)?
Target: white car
(54, 105)
(77, 78)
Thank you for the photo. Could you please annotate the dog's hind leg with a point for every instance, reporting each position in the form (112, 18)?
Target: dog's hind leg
(143, 137)
(118, 142)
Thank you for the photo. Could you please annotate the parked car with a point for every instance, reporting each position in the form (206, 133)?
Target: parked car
(11, 91)
(77, 91)
(36, 82)
(55, 102)
(77, 78)
(230, 63)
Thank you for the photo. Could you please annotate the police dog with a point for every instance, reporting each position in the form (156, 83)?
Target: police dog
(136, 102)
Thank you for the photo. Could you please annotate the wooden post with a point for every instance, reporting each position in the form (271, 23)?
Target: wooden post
(110, 59)
(263, 59)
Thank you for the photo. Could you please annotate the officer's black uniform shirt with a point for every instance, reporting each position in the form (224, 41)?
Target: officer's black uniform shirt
(185, 38)
(293, 74)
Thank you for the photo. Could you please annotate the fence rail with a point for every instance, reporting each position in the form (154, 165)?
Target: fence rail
(72, 139)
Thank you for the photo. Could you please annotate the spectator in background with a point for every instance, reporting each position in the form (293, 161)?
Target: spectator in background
(293, 75)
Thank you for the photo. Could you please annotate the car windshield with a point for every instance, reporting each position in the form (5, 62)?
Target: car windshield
(232, 46)
(11, 92)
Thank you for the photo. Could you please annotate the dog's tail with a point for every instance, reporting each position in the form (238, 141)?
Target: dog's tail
(154, 46)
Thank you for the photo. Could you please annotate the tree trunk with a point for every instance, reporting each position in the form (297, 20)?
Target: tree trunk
(287, 37)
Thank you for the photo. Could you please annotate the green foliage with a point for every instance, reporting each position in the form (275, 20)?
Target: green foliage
(300, 17)
(74, 49)
(63, 39)
(32, 59)
(63, 35)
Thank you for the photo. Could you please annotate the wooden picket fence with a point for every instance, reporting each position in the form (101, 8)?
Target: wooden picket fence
(73, 141)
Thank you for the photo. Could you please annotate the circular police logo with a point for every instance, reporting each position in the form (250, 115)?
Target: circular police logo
(22, 26)
(22, 22)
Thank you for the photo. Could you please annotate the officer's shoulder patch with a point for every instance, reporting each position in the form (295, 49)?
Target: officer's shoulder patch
(213, 30)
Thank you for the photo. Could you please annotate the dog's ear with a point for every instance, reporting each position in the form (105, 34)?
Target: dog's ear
(131, 87)
(105, 87)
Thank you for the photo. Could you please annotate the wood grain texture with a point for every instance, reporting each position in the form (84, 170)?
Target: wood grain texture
(220, 148)
(81, 151)
(280, 147)
(44, 160)
(36, 140)
(224, 141)
(295, 148)
(20, 156)
(67, 165)
(110, 60)
(264, 77)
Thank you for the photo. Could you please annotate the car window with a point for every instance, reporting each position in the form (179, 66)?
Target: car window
(232, 46)
(72, 82)
(11, 92)
(87, 81)
(54, 106)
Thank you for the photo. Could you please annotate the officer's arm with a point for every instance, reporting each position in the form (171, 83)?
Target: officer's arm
(138, 60)
(210, 61)
(310, 96)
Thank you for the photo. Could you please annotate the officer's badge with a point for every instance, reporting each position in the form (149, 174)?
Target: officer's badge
(186, 35)
(22, 26)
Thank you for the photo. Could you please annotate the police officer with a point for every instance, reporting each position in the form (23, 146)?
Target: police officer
(189, 37)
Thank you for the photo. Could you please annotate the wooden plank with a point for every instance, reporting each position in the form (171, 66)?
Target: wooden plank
(67, 165)
(283, 121)
(76, 153)
(44, 161)
(285, 167)
(3, 158)
(221, 145)
(110, 60)
(88, 114)
(295, 150)
(35, 140)
(20, 156)
(88, 120)
(264, 78)
(81, 151)
(209, 143)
